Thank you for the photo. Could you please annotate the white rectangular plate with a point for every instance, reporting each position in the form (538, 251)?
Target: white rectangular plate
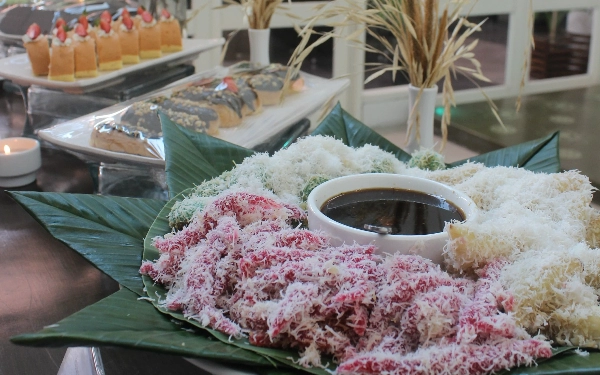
(17, 68)
(318, 92)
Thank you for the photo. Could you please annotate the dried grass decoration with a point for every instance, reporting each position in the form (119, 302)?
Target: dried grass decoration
(429, 40)
(257, 12)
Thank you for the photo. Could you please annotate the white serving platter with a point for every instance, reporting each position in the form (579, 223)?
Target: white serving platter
(18, 69)
(318, 94)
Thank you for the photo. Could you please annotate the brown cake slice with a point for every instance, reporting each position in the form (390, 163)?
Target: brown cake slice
(249, 96)
(130, 42)
(269, 87)
(138, 129)
(85, 53)
(195, 116)
(108, 47)
(221, 96)
(62, 59)
(170, 33)
(149, 32)
(38, 50)
(296, 82)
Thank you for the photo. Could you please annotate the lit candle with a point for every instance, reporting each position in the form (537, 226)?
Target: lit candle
(20, 158)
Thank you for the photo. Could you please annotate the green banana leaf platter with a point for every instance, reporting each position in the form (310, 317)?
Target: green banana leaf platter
(114, 234)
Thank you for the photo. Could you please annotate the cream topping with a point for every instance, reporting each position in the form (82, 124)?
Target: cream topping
(148, 24)
(122, 27)
(27, 39)
(79, 38)
(57, 42)
(103, 34)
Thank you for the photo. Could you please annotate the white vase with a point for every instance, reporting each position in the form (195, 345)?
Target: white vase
(259, 46)
(421, 117)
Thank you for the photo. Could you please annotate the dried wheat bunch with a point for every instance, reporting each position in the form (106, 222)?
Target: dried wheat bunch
(258, 12)
(429, 40)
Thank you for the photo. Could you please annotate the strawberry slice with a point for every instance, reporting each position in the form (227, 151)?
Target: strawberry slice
(33, 31)
(61, 34)
(147, 17)
(127, 21)
(105, 16)
(83, 21)
(125, 12)
(60, 23)
(81, 30)
(105, 26)
(140, 10)
(230, 83)
(165, 13)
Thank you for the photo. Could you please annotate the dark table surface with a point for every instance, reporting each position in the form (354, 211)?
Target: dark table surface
(43, 281)
(574, 113)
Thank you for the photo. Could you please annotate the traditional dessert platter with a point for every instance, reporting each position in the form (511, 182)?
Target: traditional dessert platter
(205, 106)
(521, 275)
(231, 263)
(86, 49)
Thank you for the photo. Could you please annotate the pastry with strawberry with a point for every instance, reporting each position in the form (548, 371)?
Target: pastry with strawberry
(38, 50)
(83, 20)
(149, 31)
(116, 24)
(170, 32)
(106, 16)
(62, 60)
(62, 24)
(108, 46)
(84, 48)
(130, 43)
(59, 24)
(138, 16)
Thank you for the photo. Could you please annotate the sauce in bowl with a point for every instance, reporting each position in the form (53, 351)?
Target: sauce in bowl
(396, 211)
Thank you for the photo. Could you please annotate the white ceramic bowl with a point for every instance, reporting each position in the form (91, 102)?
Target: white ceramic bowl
(429, 246)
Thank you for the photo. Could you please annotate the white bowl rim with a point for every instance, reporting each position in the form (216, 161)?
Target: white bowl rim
(311, 205)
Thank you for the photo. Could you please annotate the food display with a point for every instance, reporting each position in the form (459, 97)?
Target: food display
(38, 50)
(521, 275)
(130, 39)
(85, 52)
(109, 57)
(62, 58)
(269, 83)
(123, 41)
(170, 32)
(202, 106)
(149, 32)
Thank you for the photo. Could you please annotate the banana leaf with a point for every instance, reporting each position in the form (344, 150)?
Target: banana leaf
(121, 319)
(107, 231)
(193, 157)
(564, 362)
(540, 155)
(341, 125)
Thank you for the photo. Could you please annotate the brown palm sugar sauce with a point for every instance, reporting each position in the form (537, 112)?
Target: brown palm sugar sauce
(402, 212)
